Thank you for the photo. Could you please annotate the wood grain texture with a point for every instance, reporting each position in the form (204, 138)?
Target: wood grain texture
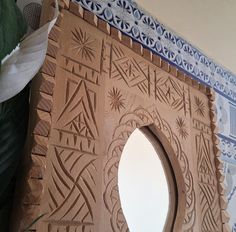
(94, 91)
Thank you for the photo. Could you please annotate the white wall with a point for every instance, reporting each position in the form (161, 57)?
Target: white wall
(209, 25)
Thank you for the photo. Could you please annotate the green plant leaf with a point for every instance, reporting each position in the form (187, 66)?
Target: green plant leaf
(13, 128)
(12, 26)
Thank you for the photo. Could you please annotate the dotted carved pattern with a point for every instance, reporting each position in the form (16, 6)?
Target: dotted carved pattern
(127, 124)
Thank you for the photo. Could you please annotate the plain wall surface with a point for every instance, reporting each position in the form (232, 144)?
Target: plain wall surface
(208, 25)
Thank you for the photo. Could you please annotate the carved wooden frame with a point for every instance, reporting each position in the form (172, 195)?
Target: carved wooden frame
(122, 117)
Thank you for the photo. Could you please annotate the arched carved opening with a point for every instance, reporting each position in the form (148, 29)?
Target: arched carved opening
(175, 164)
(175, 179)
(147, 185)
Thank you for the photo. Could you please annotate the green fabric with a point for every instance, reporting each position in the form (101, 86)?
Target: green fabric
(12, 26)
(13, 128)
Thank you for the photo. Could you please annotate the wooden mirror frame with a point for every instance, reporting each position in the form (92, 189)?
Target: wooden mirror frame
(117, 103)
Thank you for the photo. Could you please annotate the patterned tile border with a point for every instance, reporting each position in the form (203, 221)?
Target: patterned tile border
(226, 121)
(231, 194)
(134, 22)
(228, 149)
(234, 228)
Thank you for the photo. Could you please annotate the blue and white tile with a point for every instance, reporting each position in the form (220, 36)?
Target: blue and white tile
(230, 182)
(222, 110)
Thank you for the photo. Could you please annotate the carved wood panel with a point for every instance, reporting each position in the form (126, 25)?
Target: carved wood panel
(102, 92)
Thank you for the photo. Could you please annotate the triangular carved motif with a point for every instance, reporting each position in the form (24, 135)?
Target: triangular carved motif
(77, 116)
(130, 71)
(204, 163)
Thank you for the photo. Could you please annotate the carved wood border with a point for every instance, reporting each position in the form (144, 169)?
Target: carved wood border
(41, 103)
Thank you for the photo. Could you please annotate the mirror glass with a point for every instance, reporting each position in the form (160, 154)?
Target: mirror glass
(142, 185)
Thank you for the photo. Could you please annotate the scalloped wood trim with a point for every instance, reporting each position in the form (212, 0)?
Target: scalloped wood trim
(41, 108)
(218, 162)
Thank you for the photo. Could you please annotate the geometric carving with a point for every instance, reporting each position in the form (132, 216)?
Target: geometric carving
(203, 150)
(98, 93)
(172, 93)
(128, 123)
(199, 125)
(83, 44)
(116, 100)
(74, 161)
(77, 115)
(181, 127)
(134, 73)
(78, 70)
(208, 187)
(199, 106)
(75, 203)
(130, 71)
(74, 156)
(80, 45)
